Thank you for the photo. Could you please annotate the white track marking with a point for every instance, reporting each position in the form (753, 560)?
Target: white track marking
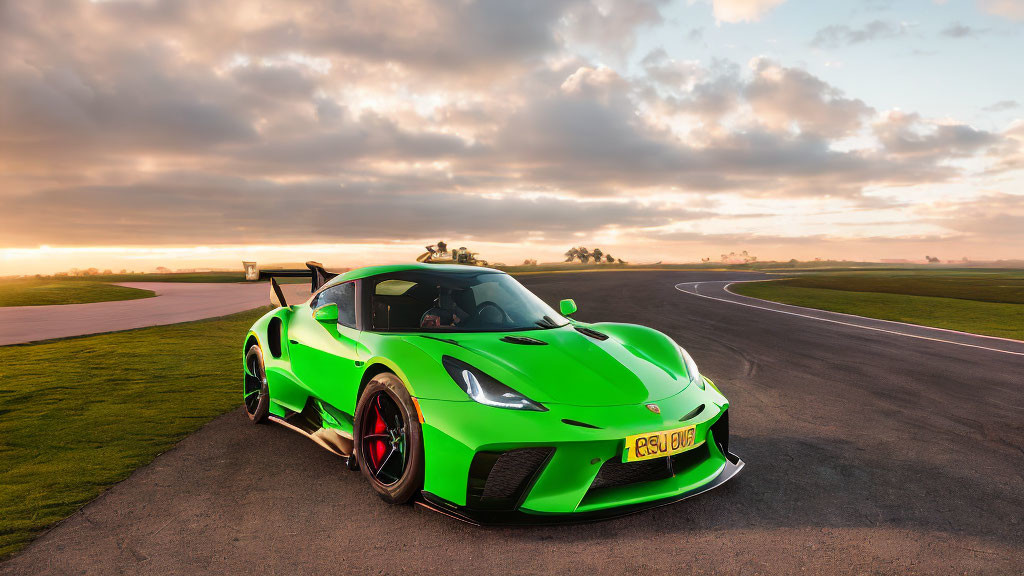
(696, 292)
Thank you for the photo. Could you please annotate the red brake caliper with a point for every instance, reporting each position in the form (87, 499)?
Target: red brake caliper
(379, 446)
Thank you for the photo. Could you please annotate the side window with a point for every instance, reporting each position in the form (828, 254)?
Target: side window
(344, 295)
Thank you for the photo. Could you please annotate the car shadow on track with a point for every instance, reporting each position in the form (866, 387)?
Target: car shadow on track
(797, 482)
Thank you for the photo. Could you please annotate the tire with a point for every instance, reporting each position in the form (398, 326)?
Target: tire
(380, 440)
(255, 392)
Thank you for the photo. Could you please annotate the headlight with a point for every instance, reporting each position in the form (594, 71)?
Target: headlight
(486, 390)
(691, 369)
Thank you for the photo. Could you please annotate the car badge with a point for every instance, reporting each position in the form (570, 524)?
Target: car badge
(654, 408)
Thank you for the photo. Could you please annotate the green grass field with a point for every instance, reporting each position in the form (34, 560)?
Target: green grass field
(46, 291)
(78, 415)
(989, 302)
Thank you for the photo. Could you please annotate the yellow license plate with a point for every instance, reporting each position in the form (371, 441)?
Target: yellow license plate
(659, 444)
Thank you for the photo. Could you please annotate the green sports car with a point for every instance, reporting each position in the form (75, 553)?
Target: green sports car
(457, 388)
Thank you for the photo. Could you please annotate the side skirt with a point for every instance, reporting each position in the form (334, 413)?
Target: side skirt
(309, 423)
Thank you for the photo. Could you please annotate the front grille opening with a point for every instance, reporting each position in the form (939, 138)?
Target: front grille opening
(616, 473)
(500, 480)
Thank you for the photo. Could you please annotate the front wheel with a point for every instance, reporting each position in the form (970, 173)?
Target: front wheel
(390, 440)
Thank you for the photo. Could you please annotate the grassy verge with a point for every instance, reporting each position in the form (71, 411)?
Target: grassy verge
(1006, 286)
(41, 292)
(991, 318)
(78, 415)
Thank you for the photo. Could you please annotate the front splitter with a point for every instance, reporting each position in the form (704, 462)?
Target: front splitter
(733, 465)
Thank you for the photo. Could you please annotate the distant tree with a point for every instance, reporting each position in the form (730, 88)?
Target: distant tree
(794, 261)
(932, 259)
(570, 254)
(108, 272)
(609, 258)
(598, 255)
(706, 260)
(123, 271)
(621, 261)
(163, 270)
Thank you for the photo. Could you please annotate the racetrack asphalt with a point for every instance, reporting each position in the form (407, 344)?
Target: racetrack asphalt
(866, 452)
(174, 302)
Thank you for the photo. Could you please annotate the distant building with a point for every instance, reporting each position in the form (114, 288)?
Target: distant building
(252, 271)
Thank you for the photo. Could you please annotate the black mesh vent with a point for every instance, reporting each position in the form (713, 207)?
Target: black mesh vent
(500, 480)
(617, 473)
(513, 469)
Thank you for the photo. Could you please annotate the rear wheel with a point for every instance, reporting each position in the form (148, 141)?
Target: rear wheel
(390, 442)
(255, 392)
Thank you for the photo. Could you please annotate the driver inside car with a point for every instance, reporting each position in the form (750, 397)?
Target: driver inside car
(445, 313)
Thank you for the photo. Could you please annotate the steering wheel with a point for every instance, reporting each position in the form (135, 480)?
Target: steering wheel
(505, 318)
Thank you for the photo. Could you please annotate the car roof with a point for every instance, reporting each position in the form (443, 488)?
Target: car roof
(369, 271)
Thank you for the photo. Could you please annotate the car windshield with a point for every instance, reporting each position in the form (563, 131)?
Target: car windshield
(484, 301)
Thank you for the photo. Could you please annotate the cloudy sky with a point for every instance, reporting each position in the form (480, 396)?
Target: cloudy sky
(136, 133)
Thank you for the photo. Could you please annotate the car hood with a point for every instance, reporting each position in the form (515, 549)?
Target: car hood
(570, 368)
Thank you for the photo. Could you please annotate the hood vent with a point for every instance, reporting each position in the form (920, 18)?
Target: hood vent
(525, 340)
(592, 333)
(692, 413)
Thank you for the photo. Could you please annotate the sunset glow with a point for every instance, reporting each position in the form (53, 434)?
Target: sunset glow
(137, 134)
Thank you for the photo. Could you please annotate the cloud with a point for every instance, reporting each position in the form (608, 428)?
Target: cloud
(1002, 106)
(782, 97)
(958, 30)
(228, 122)
(908, 135)
(1010, 9)
(742, 10)
(1000, 215)
(229, 210)
(843, 35)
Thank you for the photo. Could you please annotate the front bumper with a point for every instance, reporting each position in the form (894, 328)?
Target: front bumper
(479, 517)
(562, 469)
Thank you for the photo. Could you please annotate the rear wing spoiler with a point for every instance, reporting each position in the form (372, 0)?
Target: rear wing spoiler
(315, 272)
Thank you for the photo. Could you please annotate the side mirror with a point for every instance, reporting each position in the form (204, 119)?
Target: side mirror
(326, 313)
(567, 306)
